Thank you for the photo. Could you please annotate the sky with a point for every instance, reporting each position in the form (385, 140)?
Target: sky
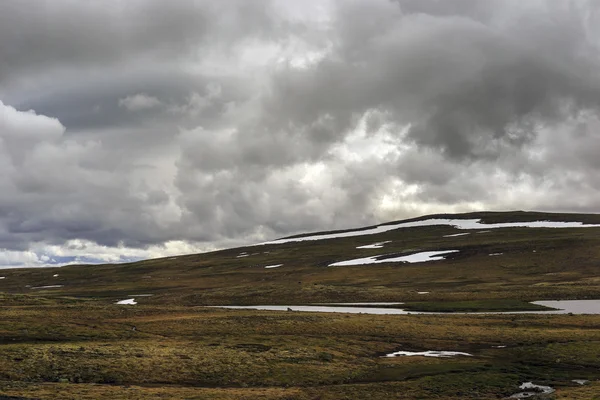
(134, 129)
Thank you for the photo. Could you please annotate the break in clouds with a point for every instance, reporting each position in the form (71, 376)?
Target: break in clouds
(134, 129)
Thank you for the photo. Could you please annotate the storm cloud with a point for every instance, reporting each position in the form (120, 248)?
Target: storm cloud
(132, 129)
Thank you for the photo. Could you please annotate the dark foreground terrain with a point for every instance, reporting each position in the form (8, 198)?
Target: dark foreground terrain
(74, 342)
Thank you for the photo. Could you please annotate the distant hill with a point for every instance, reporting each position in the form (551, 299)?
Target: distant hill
(480, 255)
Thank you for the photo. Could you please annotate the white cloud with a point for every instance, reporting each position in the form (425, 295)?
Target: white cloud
(215, 124)
(139, 102)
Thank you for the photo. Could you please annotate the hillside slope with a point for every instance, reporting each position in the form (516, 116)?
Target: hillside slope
(488, 262)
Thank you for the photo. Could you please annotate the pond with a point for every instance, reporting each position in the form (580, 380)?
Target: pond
(562, 307)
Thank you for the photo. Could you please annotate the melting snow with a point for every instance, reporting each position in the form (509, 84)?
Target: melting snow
(580, 381)
(422, 292)
(411, 258)
(242, 255)
(47, 287)
(127, 301)
(457, 234)
(55, 275)
(537, 390)
(457, 223)
(378, 245)
(274, 266)
(2, 277)
(429, 353)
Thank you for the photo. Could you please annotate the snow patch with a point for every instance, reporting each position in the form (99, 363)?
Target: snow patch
(46, 287)
(242, 255)
(377, 245)
(457, 223)
(2, 277)
(457, 234)
(536, 389)
(55, 275)
(429, 353)
(274, 266)
(127, 302)
(580, 381)
(496, 254)
(422, 292)
(411, 258)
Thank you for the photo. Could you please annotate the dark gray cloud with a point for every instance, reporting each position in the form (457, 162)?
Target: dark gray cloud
(468, 88)
(38, 37)
(163, 127)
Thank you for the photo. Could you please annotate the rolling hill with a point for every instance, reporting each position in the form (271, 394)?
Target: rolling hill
(62, 335)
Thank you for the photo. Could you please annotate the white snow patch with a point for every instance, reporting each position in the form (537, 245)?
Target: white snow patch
(127, 302)
(274, 266)
(422, 292)
(46, 287)
(496, 254)
(377, 245)
(457, 223)
(2, 277)
(55, 275)
(484, 232)
(242, 255)
(580, 381)
(457, 234)
(411, 258)
(537, 389)
(499, 347)
(429, 353)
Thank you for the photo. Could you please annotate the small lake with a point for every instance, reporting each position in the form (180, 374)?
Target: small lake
(562, 307)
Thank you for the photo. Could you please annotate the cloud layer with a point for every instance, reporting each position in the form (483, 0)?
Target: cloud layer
(135, 129)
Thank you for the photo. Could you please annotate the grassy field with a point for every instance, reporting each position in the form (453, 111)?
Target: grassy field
(73, 342)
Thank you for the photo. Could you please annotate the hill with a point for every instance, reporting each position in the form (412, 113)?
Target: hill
(491, 262)
(61, 332)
